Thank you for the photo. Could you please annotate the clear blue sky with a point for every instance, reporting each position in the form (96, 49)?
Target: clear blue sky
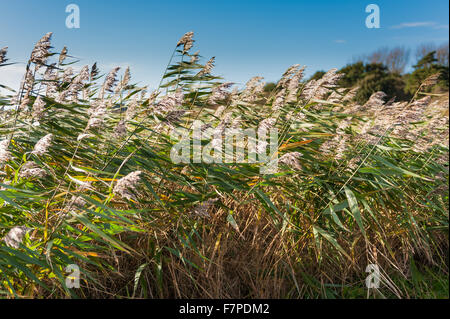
(248, 37)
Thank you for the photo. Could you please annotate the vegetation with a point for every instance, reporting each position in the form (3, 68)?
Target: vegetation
(426, 67)
(383, 70)
(87, 179)
(371, 78)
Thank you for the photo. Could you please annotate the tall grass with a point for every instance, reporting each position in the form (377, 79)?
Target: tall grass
(362, 185)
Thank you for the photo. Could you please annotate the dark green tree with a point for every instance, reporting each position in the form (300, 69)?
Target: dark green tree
(269, 87)
(371, 78)
(426, 66)
(353, 73)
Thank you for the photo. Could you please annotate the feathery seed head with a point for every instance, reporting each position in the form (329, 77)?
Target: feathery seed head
(253, 88)
(126, 186)
(187, 41)
(309, 89)
(207, 68)
(219, 111)
(375, 100)
(131, 108)
(25, 100)
(194, 57)
(266, 124)
(42, 145)
(351, 94)
(120, 129)
(15, 236)
(152, 97)
(84, 74)
(185, 38)
(29, 80)
(124, 82)
(291, 160)
(5, 155)
(67, 75)
(62, 55)
(318, 88)
(82, 136)
(219, 93)
(38, 108)
(31, 170)
(97, 115)
(40, 52)
(279, 100)
(174, 117)
(432, 79)
(110, 80)
(169, 102)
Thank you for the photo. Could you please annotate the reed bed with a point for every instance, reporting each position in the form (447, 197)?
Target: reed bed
(86, 178)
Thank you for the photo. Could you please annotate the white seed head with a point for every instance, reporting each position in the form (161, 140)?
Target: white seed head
(291, 160)
(82, 136)
(42, 145)
(97, 118)
(219, 93)
(67, 75)
(253, 89)
(194, 57)
(279, 100)
(40, 52)
(110, 80)
(266, 124)
(5, 155)
(169, 102)
(15, 236)
(207, 68)
(120, 129)
(38, 108)
(375, 100)
(126, 186)
(31, 170)
(124, 82)
(187, 41)
(62, 55)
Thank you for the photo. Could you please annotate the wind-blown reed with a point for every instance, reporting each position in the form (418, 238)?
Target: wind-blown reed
(86, 178)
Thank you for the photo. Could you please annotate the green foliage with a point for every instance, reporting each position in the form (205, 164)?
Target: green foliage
(269, 87)
(424, 68)
(371, 78)
(353, 73)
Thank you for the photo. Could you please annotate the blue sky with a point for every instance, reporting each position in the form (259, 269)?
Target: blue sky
(248, 37)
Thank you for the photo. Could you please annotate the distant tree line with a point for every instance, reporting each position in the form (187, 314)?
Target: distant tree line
(384, 70)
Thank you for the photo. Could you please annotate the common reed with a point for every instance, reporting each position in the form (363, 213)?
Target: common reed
(86, 178)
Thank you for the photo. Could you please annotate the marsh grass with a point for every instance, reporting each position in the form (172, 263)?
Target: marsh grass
(362, 192)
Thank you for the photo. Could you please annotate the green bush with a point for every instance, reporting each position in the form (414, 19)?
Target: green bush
(424, 68)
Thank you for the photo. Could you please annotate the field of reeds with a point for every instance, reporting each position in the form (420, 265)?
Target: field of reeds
(87, 179)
